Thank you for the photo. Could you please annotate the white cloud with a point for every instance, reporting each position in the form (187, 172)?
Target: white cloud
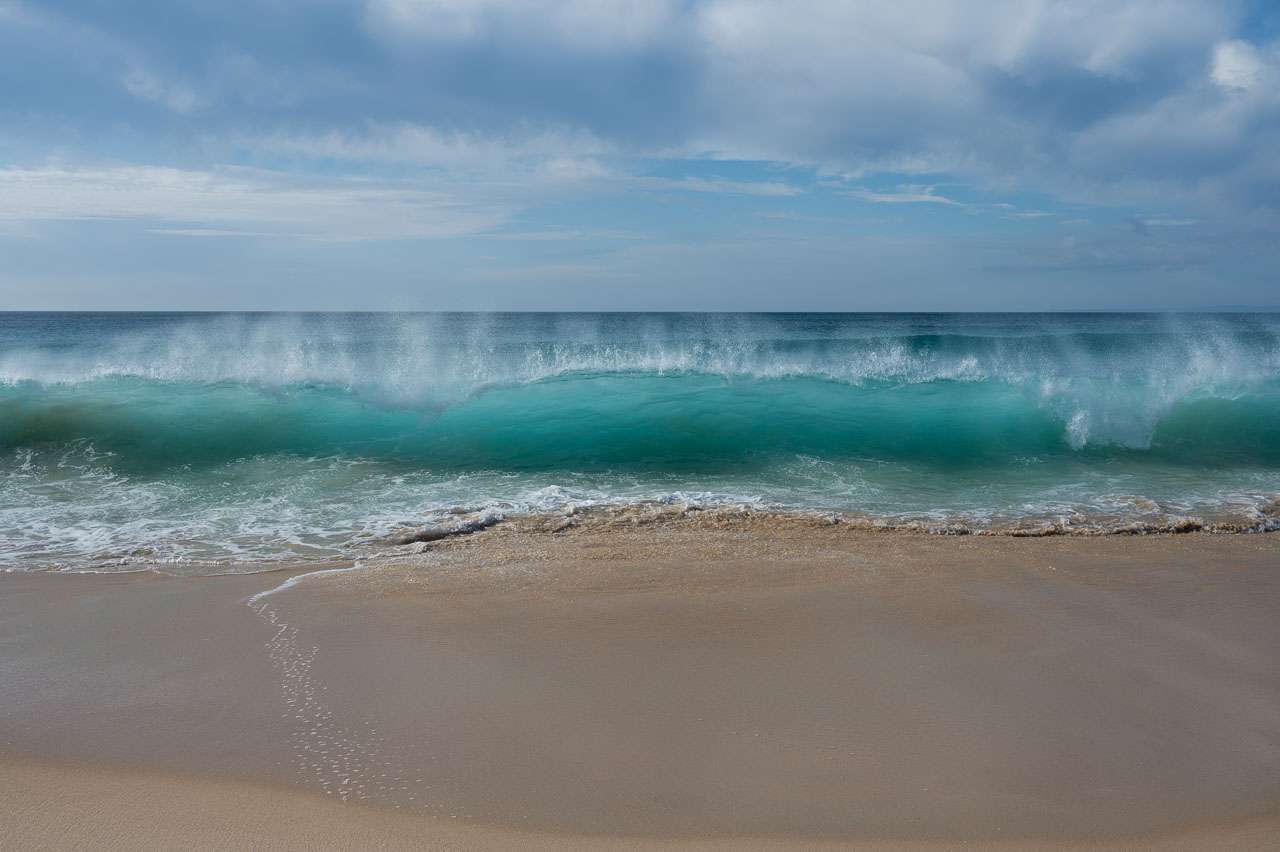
(594, 25)
(1209, 141)
(244, 200)
(144, 85)
(848, 86)
(905, 195)
(863, 83)
(1238, 65)
(1101, 36)
(1112, 101)
(554, 150)
(733, 187)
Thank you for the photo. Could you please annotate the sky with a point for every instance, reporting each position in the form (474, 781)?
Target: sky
(639, 155)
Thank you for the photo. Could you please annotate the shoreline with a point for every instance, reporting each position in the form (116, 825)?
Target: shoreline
(437, 527)
(910, 691)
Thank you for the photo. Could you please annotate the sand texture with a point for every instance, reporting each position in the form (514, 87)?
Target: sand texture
(779, 685)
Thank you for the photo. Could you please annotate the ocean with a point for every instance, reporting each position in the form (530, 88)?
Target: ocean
(223, 442)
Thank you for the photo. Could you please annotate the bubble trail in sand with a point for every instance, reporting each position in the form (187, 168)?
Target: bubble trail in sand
(346, 758)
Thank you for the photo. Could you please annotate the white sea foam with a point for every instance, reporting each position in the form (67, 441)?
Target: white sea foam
(298, 578)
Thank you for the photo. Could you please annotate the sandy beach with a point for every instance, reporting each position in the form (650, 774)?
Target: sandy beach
(685, 683)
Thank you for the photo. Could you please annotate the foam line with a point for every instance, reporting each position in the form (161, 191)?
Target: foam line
(297, 578)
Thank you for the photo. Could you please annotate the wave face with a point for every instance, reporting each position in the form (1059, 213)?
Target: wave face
(234, 438)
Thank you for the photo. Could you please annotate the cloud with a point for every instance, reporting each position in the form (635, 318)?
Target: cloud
(904, 195)
(1208, 142)
(229, 201)
(859, 82)
(592, 25)
(556, 149)
(1238, 66)
(144, 85)
(1142, 227)
(1169, 222)
(734, 187)
(1060, 97)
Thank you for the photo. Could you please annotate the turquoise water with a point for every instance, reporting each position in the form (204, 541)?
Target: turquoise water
(216, 440)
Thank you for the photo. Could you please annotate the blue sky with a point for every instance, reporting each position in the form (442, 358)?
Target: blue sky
(639, 154)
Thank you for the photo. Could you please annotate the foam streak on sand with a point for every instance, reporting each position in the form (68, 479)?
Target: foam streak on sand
(342, 758)
(298, 578)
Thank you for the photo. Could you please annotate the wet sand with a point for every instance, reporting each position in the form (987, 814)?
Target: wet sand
(669, 685)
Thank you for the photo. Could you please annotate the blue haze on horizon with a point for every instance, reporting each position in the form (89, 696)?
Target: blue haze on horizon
(639, 155)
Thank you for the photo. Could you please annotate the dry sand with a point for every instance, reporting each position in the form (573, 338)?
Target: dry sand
(668, 685)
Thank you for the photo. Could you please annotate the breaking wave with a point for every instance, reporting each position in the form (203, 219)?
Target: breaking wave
(239, 436)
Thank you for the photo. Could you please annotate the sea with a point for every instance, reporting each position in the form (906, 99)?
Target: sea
(213, 442)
